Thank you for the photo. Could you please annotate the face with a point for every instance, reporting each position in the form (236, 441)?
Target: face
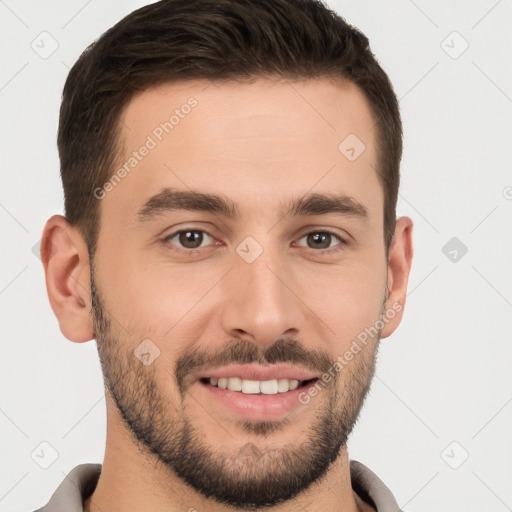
(239, 257)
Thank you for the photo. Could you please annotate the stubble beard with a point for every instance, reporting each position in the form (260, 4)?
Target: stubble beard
(253, 476)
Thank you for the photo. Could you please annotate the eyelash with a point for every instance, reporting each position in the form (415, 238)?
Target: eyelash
(342, 241)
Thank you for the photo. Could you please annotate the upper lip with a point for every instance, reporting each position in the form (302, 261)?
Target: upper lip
(257, 372)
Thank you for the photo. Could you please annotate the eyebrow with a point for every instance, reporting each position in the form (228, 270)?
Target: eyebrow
(169, 199)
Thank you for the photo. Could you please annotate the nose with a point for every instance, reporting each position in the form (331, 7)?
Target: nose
(259, 301)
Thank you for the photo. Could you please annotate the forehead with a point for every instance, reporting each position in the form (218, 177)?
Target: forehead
(265, 138)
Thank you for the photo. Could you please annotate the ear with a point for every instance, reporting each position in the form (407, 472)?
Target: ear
(66, 266)
(399, 267)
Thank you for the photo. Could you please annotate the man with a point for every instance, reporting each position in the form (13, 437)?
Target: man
(230, 172)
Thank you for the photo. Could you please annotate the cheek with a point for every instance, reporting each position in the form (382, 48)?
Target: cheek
(349, 299)
(149, 295)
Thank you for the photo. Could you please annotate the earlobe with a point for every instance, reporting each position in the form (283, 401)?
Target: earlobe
(66, 265)
(399, 267)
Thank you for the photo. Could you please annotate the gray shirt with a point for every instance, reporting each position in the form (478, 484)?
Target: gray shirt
(81, 481)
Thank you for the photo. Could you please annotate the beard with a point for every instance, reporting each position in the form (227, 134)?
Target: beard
(250, 477)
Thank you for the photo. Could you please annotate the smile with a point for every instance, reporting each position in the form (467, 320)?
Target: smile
(254, 392)
(255, 387)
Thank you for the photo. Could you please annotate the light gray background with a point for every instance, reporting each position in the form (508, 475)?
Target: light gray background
(443, 387)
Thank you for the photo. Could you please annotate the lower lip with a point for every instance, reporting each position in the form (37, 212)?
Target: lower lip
(258, 406)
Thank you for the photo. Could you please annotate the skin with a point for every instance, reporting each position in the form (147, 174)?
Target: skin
(260, 145)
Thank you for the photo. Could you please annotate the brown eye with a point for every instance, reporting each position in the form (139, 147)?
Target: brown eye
(321, 240)
(189, 238)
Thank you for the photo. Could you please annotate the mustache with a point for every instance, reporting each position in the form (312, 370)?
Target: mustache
(245, 352)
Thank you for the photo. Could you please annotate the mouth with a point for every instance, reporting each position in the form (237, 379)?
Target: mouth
(258, 393)
(257, 387)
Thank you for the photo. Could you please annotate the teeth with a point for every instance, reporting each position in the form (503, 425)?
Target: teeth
(254, 387)
(250, 387)
(268, 387)
(234, 384)
(283, 385)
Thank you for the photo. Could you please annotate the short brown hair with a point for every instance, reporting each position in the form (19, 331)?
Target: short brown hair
(216, 40)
